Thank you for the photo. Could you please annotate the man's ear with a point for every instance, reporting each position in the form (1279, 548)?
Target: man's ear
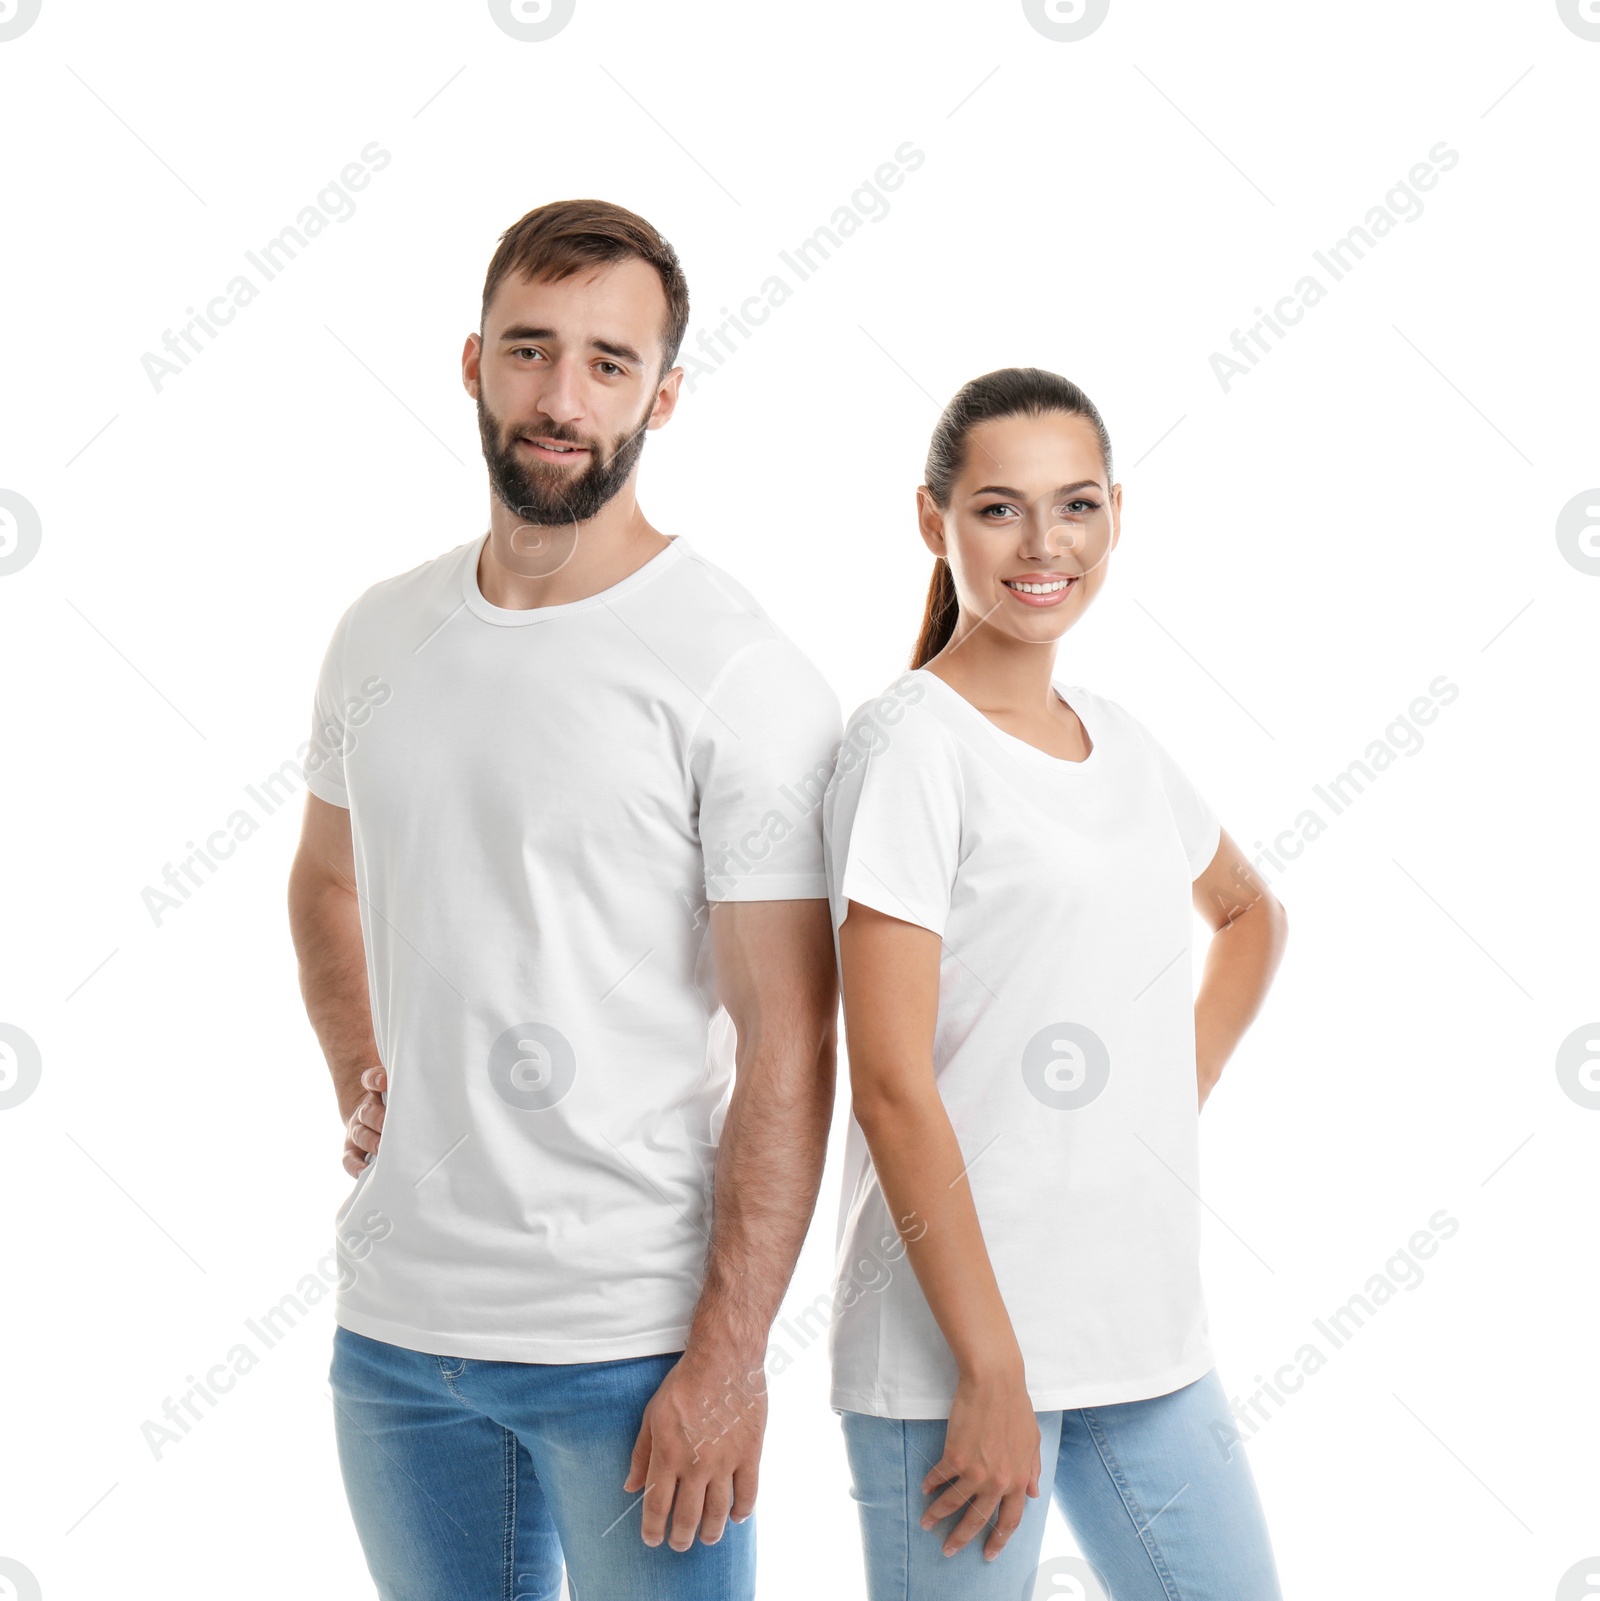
(471, 355)
(667, 392)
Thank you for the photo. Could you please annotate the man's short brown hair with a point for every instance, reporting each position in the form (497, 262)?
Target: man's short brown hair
(556, 240)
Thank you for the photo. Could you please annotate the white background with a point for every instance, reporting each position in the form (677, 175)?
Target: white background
(1372, 506)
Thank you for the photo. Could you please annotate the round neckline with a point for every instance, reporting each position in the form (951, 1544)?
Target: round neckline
(520, 616)
(1033, 751)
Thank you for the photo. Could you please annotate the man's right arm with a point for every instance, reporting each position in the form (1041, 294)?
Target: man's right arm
(325, 923)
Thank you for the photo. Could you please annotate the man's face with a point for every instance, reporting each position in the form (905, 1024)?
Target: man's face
(567, 388)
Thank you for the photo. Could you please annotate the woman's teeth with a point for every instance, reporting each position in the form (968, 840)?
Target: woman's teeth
(1038, 589)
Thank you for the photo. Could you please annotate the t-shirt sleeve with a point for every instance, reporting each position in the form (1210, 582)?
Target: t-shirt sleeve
(1198, 826)
(323, 762)
(761, 755)
(894, 818)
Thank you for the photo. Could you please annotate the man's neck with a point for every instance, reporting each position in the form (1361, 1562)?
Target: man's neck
(523, 566)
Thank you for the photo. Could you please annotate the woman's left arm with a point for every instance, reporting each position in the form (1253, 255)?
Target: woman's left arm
(1249, 929)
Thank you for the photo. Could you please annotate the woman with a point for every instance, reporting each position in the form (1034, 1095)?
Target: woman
(1012, 864)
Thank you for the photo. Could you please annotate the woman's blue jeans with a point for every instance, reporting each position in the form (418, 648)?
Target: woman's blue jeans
(1157, 1494)
(472, 1480)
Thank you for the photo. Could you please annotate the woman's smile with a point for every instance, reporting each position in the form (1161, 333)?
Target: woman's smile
(1042, 589)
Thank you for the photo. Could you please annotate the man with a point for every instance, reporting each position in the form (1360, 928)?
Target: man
(560, 883)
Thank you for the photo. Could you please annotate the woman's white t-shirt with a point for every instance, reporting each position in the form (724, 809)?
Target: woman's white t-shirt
(1064, 1049)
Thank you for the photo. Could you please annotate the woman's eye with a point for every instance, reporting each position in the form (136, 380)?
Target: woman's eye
(998, 506)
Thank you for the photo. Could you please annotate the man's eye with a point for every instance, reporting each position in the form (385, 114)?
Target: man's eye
(612, 365)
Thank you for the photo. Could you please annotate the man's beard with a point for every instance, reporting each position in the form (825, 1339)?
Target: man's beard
(537, 492)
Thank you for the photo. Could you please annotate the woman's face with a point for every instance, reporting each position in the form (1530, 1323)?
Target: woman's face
(1030, 524)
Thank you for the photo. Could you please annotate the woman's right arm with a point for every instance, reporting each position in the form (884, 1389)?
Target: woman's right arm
(890, 981)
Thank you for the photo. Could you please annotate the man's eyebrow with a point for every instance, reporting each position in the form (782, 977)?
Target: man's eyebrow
(519, 332)
(1017, 494)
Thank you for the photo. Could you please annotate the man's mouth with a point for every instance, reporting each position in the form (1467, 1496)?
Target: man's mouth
(552, 449)
(1044, 591)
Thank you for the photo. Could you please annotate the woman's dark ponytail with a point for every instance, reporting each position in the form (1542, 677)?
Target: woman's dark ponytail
(1007, 392)
(939, 619)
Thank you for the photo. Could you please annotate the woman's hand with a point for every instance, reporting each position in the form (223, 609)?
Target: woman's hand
(990, 1461)
(889, 971)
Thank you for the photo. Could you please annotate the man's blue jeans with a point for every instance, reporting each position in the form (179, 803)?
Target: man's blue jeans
(1157, 1493)
(472, 1480)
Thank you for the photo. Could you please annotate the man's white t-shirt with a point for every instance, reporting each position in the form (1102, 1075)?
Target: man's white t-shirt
(542, 802)
(1064, 1048)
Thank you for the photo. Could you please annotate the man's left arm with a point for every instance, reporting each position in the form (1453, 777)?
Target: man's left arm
(700, 1440)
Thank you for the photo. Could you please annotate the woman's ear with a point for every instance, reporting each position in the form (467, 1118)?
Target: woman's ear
(930, 522)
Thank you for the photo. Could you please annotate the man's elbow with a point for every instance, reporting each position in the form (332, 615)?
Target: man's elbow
(791, 1069)
(315, 892)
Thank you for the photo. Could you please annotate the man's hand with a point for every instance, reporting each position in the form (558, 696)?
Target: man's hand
(699, 1444)
(700, 1440)
(365, 1123)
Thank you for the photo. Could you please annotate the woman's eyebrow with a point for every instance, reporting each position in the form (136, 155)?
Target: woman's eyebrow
(1017, 494)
